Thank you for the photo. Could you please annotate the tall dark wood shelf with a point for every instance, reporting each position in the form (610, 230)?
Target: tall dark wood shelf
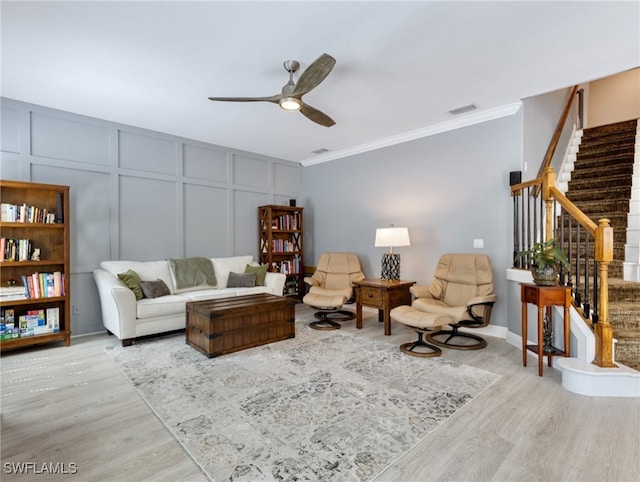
(53, 240)
(281, 244)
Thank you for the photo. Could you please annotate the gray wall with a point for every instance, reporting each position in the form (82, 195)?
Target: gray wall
(138, 194)
(143, 195)
(540, 118)
(448, 189)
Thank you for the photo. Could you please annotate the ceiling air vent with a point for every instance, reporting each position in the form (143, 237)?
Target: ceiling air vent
(322, 150)
(463, 109)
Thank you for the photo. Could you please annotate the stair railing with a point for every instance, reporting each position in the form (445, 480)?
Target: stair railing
(546, 162)
(541, 212)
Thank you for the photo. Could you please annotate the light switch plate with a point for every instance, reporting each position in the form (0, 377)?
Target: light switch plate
(478, 243)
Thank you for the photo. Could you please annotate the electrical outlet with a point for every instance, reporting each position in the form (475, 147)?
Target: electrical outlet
(478, 243)
(75, 310)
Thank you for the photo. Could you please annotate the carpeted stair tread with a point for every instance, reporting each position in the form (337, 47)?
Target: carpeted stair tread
(625, 316)
(602, 170)
(616, 269)
(610, 128)
(598, 183)
(612, 170)
(604, 205)
(620, 150)
(601, 192)
(628, 352)
(625, 291)
(596, 134)
(630, 364)
(619, 143)
(594, 155)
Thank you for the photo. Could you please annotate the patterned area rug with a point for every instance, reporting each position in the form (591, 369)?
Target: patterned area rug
(325, 405)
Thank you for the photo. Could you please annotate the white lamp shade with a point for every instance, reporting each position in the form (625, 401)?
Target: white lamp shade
(392, 237)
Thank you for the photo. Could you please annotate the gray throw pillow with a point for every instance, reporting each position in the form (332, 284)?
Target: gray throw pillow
(154, 289)
(241, 280)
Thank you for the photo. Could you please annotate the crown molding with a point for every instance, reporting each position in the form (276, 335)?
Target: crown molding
(468, 120)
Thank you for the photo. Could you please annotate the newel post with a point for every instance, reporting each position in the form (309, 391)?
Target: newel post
(548, 180)
(603, 329)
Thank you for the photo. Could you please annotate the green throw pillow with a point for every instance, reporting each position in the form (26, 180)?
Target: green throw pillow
(260, 271)
(132, 281)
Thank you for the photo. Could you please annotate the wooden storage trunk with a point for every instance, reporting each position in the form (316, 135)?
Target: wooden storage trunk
(224, 325)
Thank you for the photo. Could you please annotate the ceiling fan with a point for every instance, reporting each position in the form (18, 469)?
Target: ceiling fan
(291, 96)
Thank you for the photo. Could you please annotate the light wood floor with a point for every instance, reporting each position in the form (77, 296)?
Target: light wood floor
(84, 412)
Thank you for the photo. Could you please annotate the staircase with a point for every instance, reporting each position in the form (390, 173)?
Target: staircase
(601, 186)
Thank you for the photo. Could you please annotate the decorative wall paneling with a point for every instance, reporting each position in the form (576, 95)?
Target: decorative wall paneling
(139, 194)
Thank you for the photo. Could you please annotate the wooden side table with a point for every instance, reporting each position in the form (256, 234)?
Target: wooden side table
(544, 297)
(384, 295)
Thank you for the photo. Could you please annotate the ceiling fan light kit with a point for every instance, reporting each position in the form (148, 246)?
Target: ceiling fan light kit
(291, 96)
(289, 103)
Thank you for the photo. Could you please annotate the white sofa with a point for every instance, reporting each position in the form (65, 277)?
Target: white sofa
(128, 318)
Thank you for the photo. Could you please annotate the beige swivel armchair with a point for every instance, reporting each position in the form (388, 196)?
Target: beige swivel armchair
(460, 296)
(331, 286)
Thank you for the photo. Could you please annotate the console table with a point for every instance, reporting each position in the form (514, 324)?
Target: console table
(384, 295)
(544, 297)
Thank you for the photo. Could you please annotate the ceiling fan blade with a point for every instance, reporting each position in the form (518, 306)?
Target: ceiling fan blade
(316, 116)
(314, 74)
(273, 98)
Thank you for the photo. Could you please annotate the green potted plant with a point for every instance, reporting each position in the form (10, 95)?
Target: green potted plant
(544, 257)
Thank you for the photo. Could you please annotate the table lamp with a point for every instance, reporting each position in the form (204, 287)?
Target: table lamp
(391, 237)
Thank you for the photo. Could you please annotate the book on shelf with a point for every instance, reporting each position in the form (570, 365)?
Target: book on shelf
(9, 333)
(8, 293)
(23, 213)
(12, 249)
(58, 284)
(287, 222)
(53, 319)
(33, 323)
(48, 283)
(8, 328)
(44, 285)
(288, 267)
(9, 316)
(285, 246)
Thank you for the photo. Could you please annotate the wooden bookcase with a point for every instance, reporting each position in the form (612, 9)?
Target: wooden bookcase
(52, 239)
(281, 245)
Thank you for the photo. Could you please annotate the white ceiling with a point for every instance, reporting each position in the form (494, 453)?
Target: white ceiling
(401, 66)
